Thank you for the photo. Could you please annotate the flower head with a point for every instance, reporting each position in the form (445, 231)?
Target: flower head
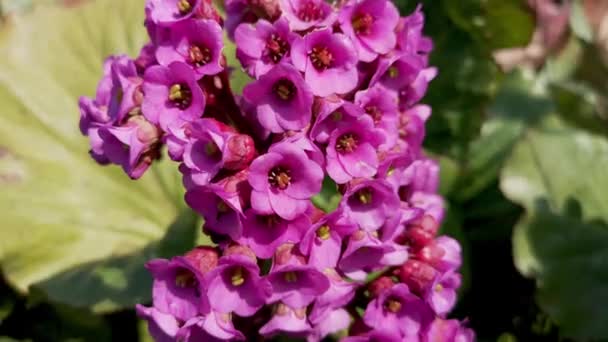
(283, 100)
(305, 14)
(371, 26)
(197, 43)
(327, 60)
(172, 96)
(283, 181)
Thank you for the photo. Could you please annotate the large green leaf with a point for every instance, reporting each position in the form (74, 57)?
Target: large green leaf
(558, 173)
(77, 231)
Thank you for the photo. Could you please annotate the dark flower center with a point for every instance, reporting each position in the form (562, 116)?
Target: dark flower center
(365, 195)
(276, 48)
(199, 55)
(291, 277)
(374, 112)
(321, 58)
(279, 177)
(185, 278)
(310, 11)
(180, 95)
(392, 305)
(362, 23)
(347, 143)
(237, 278)
(184, 7)
(269, 221)
(285, 89)
(212, 151)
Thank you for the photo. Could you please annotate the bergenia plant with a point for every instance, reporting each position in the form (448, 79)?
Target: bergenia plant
(332, 107)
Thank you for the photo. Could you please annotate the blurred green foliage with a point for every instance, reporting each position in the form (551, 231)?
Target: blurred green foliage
(523, 158)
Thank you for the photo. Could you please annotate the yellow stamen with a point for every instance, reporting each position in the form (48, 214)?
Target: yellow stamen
(237, 278)
(323, 232)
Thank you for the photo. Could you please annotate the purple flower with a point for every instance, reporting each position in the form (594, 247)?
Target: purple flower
(265, 233)
(163, 327)
(133, 146)
(370, 204)
(312, 151)
(172, 96)
(365, 253)
(376, 335)
(322, 243)
(398, 311)
(287, 320)
(409, 34)
(283, 181)
(442, 293)
(333, 113)
(236, 286)
(398, 71)
(212, 327)
(414, 91)
(305, 14)
(221, 209)
(443, 253)
(179, 288)
(204, 151)
(197, 43)
(167, 12)
(448, 331)
(333, 322)
(94, 112)
(247, 11)
(125, 94)
(340, 293)
(282, 98)
(328, 61)
(381, 106)
(411, 125)
(296, 285)
(263, 45)
(371, 26)
(351, 152)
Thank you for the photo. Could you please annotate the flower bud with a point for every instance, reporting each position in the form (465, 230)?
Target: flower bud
(239, 153)
(417, 275)
(204, 258)
(380, 285)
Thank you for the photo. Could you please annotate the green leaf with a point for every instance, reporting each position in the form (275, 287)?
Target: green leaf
(558, 173)
(329, 197)
(77, 231)
(514, 108)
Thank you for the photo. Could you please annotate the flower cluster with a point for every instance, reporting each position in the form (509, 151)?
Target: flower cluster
(333, 105)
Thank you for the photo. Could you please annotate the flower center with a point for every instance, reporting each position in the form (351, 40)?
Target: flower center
(393, 72)
(365, 196)
(374, 112)
(185, 278)
(321, 58)
(276, 47)
(310, 11)
(199, 55)
(438, 288)
(212, 150)
(362, 23)
(180, 95)
(336, 116)
(323, 232)
(222, 207)
(285, 89)
(184, 7)
(270, 221)
(279, 177)
(237, 278)
(392, 305)
(347, 143)
(291, 277)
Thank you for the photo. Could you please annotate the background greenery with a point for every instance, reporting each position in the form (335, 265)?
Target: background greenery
(524, 156)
